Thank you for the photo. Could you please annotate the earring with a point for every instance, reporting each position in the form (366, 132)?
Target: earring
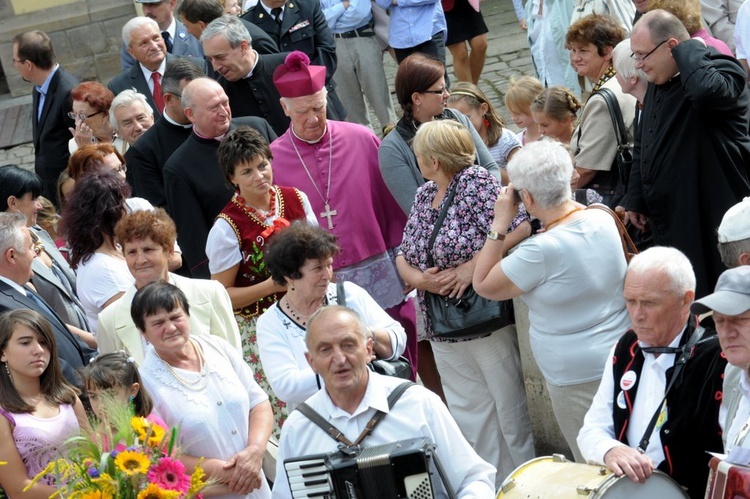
(131, 398)
(291, 284)
(7, 370)
(486, 122)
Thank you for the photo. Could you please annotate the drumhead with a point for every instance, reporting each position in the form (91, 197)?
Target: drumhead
(659, 485)
(555, 478)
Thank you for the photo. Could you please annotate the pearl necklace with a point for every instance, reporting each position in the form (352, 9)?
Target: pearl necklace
(195, 385)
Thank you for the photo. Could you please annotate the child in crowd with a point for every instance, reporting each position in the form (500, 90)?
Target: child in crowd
(521, 93)
(555, 112)
(39, 410)
(501, 142)
(115, 375)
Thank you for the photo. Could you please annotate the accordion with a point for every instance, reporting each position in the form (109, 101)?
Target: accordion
(403, 469)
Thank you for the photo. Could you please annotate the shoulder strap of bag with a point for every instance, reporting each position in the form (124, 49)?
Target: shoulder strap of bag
(336, 434)
(628, 246)
(687, 354)
(616, 114)
(439, 223)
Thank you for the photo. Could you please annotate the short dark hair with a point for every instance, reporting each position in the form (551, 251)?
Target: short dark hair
(289, 249)
(200, 10)
(55, 388)
(35, 46)
(15, 181)
(179, 69)
(118, 370)
(154, 298)
(600, 29)
(241, 146)
(416, 73)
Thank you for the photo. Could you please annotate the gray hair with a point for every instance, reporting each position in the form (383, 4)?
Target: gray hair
(322, 312)
(288, 100)
(544, 168)
(671, 261)
(623, 63)
(134, 24)
(11, 231)
(730, 252)
(126, 98)
(230, 27)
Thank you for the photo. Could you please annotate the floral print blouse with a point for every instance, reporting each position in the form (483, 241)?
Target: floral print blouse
(463, 231)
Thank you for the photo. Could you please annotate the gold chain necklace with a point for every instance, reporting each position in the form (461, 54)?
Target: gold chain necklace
(196, 385)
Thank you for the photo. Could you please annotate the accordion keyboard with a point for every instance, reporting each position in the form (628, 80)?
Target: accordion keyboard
(309, 478)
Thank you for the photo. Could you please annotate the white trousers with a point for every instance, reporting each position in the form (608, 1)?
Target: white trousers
(483, 384)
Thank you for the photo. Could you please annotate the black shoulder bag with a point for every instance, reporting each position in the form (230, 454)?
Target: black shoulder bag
(398, 368)
(468, 316)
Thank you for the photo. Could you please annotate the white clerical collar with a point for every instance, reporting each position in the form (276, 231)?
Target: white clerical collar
(173, 122)
(291, 127)
(250, 74)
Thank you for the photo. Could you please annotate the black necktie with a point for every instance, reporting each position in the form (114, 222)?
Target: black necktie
(276, 13)
(660, 350)
(167, 40)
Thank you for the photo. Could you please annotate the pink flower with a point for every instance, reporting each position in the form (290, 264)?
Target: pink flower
(170, 474)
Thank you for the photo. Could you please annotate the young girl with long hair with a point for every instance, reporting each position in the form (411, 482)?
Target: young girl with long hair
(39, 410)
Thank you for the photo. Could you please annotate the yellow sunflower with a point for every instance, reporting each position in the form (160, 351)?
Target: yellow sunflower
(155, 492)
(94, 494)
(140, 426)
(156, 435)
(132, 462)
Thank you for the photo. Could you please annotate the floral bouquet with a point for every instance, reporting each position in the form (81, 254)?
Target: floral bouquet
(142, 464)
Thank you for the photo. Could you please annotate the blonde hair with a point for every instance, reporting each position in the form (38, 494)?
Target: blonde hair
(558, 103)
(522, 90)
(447, 141)
(473, 96)
(687, 11)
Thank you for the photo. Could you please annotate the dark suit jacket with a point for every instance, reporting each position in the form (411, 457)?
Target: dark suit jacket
(74, 354)
(196, 192)
(304, 27)
(183, 44)
(257, 95)
(147, 157)
(50, 131)
(133, 78)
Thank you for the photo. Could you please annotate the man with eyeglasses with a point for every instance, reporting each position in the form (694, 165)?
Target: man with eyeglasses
(692, 150)
(34, 58)
(146, 157)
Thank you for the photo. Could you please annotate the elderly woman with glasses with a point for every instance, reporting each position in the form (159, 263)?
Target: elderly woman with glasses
(571, 277)
(91, 103)
(591, 41)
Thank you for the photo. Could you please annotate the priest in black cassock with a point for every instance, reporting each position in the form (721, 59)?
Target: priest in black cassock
(692, 151)
(146, 157)
(194, 186)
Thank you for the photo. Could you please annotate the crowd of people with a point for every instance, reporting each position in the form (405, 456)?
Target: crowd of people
(218, 238)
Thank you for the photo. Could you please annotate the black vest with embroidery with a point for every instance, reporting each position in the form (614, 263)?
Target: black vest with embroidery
(692, 425)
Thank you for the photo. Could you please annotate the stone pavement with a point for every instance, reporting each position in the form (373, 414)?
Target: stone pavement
(507, 55)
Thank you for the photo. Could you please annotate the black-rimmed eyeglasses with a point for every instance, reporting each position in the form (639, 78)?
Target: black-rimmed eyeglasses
(639, 58)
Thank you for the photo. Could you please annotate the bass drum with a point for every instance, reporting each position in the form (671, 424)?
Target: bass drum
(554, 477)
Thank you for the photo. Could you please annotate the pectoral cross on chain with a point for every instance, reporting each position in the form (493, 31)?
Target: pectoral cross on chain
(328, 214)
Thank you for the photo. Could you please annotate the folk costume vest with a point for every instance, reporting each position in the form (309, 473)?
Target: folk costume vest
(252, 235)
(692, 415)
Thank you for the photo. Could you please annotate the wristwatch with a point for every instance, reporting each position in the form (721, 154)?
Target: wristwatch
(495, 235)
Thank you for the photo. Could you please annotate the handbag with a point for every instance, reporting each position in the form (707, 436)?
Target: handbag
(629, 248)
(613, 184)
(468, 316)
(397, 368)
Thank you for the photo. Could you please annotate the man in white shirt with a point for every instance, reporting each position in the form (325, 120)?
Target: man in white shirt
(339, 348)
(730, 303)
(659, 289)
